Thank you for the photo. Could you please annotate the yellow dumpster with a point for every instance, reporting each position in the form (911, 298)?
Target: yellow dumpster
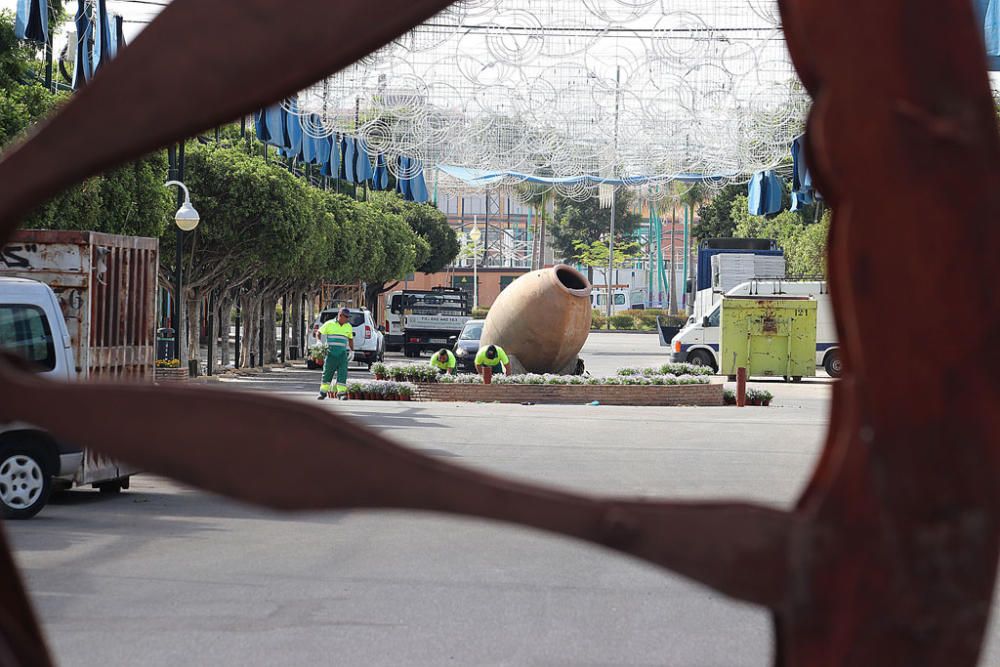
(771, 336)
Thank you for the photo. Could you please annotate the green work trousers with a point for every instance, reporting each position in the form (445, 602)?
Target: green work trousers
(336, 362)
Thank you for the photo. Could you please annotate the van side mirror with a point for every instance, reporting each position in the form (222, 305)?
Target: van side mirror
(452, 340)
(704, 322)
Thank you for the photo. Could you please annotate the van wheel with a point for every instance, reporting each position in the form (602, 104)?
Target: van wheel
(25, 481)
(833, 365)
(702, 358)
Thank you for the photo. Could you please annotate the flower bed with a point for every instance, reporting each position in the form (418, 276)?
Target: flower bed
(167, 374)
(579, 380)
(698, 393)
(754, 397)
(380, 390)
(405, 372)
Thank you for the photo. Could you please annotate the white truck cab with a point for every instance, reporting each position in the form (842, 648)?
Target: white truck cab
(698, 341)
(31, 460)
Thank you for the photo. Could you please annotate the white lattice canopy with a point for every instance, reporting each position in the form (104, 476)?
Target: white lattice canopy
(563, 88)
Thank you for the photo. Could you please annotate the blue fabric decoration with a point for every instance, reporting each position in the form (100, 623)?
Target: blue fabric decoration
(331, 166)
(350, 160)
(364, 162)
(293, 129)
(403, 184)
(380, 176)
(83, 70)
(764, 193)
(116, 32)
(755, 194)
(323, 153)
(102, 36)
(31, 21)
(274, 120)
(260, 126)
(992, 28)
(802, 181)
(418, 188)
(775, 192)
(119, 30)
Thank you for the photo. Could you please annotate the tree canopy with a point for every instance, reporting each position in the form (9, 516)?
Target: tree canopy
(585, 221)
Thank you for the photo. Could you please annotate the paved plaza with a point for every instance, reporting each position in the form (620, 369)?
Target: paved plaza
(164, 575)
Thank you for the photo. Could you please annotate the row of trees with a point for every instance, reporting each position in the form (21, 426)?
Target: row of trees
(267, 232)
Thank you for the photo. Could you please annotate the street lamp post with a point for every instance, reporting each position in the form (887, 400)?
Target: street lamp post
(187, 220)
(474, 236)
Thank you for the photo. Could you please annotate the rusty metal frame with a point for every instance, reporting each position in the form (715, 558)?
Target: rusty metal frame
(890, 556)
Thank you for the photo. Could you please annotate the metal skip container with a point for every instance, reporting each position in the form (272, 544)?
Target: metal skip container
(773, 336)
(106, 286)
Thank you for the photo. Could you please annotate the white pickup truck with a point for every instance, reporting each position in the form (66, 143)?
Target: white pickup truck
(76, 305)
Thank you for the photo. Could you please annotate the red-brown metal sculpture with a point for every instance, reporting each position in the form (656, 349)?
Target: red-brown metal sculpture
(889, 557)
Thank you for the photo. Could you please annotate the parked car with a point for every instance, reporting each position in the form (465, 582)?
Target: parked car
(466, 344)
(32, 462)
(369, 341)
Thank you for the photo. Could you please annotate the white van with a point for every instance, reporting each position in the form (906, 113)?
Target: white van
(698, 341)
(623, 298)
(32, 462)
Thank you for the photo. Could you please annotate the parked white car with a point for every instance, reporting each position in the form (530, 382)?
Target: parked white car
(369, 341)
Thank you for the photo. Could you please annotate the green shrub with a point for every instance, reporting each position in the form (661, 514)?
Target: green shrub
(598, 321)
(622, 321)
(480, 312)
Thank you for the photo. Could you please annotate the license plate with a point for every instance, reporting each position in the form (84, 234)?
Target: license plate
(439, 340)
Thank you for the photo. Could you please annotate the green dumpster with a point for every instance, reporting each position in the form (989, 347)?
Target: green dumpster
(769, 336)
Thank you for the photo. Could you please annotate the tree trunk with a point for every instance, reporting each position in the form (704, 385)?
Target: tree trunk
(250, 337)
(224, 311)
(270, 304)
(296, 328)
(193, 303)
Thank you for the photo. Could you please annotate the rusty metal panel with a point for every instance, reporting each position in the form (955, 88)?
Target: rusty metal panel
(109, 319)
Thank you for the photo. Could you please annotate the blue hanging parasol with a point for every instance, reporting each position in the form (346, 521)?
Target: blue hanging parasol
(31, 22)
(83, 69)
(102, 36)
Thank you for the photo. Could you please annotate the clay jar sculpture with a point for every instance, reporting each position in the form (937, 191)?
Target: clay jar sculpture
(542, 320)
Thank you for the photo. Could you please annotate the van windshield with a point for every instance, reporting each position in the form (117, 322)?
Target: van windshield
(713, 317)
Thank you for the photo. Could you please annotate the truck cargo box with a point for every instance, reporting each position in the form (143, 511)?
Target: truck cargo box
(106, 286)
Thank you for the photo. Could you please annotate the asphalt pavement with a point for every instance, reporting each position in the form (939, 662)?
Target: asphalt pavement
(162, 574)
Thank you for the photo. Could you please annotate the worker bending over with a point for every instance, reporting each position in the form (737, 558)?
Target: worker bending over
(338, 334)
(444, 361)
(490, 357)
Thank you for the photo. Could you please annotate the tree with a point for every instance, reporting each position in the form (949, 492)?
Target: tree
(804, 243)
(714, 217)
(585, 221)
(595, 255)
(435, 244)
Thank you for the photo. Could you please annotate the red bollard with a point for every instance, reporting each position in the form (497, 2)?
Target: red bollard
(487, 374)
(741, 387)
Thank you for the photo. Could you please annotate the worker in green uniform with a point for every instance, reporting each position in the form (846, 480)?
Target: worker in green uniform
(444, 361)
(492, 356)
(338, 334)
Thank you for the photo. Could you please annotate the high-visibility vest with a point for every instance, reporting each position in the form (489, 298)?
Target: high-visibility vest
(444, 365)
(483, 360)
(336, 335)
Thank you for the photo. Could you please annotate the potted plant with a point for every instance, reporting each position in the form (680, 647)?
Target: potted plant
(317, 354)
(353, 390)
(405, 392)
(729, 397)
(379, 370)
